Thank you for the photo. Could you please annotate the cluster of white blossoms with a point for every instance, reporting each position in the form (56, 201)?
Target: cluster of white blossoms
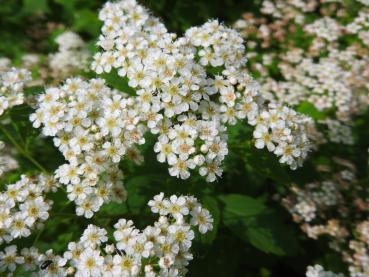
(7, 160)
(318, 271)
(5, 64)
(338, 132)
(325, 84)
(12, 83)
(336, 209)
(312, 199)
(358, 258)
(360, 26)
(326, 28)
(72, 56)
(94, 127)
(311, 205)
(189, 89)
(161, 249)
(364, 2)
(23, 206)
(288, 9)
(330, 75)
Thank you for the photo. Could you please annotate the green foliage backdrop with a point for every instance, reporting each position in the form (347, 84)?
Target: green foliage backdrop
(253, 235)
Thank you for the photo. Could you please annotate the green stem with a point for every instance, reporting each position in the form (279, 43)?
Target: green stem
(37, 237)
(22, 151)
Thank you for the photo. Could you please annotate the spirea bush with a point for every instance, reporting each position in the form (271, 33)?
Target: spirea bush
(169, 138)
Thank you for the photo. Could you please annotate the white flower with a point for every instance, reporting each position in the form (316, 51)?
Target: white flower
(139, 246)
(176, 206)
(93, 236)
(30, 256)
(114, 151)
(36, 209)
(157, 204)
(68, 173)
(182, 235)
(18, 227)
(211, 169)
(9, 259)
(263, 138)
(90, 263)
(125, 266)
(165, 150)
(87, 207)
(202, 218)
(180, 168)
(318, 271)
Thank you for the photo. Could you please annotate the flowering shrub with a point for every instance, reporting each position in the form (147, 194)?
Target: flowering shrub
(254, 125)
(159, 249)
(194, 86)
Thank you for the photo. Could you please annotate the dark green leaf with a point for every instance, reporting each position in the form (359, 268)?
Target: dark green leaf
(253, 222)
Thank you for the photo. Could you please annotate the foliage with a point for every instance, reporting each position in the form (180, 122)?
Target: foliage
(253, 235)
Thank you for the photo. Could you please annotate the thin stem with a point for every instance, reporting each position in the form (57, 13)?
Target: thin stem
(21, 150)
(37, 237)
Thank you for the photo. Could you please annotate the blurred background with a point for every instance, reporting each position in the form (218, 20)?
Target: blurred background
(31, 26)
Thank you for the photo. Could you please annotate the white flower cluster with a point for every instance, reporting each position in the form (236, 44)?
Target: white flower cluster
(12, 83)
(359, 256)
(190, 88)
(5, 64)
(338, 132)
(318, 271)
(311, 206)
(324, 84)
(162, 249)
(326, 28)
(314, 198)
(331, 75)
(276, 129)
(289, 9)
(364, 2)
(93, 126)
(23, 206)
(360, 26)
(336, 209)
(72, 56)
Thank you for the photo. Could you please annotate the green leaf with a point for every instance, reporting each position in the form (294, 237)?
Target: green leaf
(242, 205)
(67, 4)
(309, 109)
(267, 165)
(120, 83)
(267, 233)
(140, 190)
(35, 6)
(114, 209)
(87, 21)
(33, 90)
(253, 222)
